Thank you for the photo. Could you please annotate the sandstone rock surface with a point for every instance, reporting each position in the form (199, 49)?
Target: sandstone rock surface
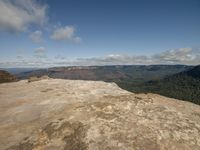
(56, 114)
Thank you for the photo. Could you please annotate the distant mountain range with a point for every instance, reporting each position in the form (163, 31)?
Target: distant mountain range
(176, 81)
(18, 70)
(108, 73)
(194, 72)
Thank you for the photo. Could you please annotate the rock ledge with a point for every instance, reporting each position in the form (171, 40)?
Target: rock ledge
(93, 115)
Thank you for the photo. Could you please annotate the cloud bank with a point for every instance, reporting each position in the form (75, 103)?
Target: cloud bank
(17, 15)
(66, 33)
(186, 56)
(40, 52)
(21, 15)
(36, 36)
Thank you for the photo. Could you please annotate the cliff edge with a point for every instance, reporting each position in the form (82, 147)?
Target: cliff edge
(93, 115)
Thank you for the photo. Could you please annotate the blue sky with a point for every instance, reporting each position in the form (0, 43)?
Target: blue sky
(45, 33)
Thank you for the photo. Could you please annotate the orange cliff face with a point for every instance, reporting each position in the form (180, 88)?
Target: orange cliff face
(87, 115)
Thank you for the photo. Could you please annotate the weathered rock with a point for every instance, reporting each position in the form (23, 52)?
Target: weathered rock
(35, 78)
(93, 115)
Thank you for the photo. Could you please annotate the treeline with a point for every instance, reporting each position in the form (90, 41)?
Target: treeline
(6, 77)
(183, 86)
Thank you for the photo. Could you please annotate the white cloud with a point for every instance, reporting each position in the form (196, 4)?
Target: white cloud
(66, 33)
(40, 52)
(17, 15)
(40, 49)
(36, 36)
(178, 56)
(60, 57)
(187, 56)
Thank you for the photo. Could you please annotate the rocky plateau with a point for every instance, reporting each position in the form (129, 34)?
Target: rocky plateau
(57, 114)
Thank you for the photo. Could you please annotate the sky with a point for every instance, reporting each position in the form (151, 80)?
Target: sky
(47, 33)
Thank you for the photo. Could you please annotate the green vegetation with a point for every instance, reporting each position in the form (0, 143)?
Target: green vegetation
(6, 77)
(184, 86)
